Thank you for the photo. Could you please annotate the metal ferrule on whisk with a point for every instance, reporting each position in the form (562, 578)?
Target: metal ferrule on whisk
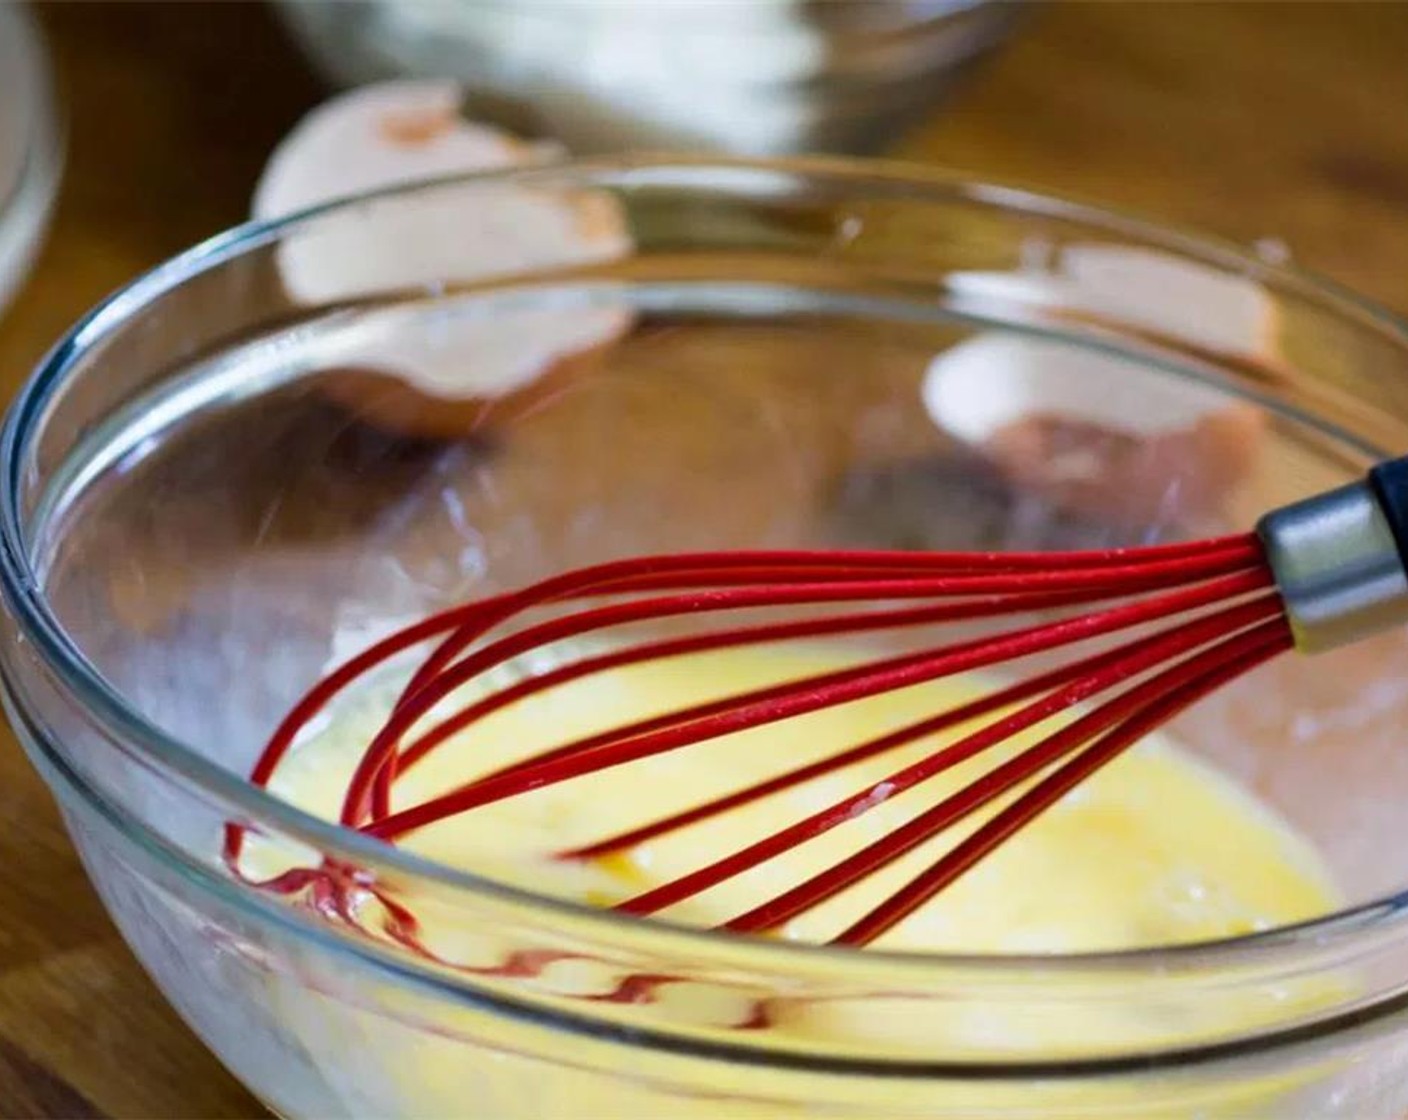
(1339, 559)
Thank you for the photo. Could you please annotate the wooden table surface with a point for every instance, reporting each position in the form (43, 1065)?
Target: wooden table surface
(1286, 121)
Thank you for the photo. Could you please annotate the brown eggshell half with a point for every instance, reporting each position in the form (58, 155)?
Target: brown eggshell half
(398, 132)
(390, 401)
(1185, 474)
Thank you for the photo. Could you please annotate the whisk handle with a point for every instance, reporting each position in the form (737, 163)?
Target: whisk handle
(1389, 481)
(1340, 559)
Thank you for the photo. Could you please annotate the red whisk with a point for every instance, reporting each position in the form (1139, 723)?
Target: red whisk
(1314, 575)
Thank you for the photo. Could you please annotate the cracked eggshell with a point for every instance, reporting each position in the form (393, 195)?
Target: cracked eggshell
(1096, 432)
(1217, 311)
(473, 370)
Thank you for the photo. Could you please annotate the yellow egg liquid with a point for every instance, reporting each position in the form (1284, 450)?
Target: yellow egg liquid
(1156, 849)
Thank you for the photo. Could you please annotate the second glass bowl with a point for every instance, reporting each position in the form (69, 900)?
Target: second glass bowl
(29, 144)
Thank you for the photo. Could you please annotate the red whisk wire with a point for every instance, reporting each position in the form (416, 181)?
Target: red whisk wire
(800, 697)
(900, 737)
(870, 621)
(1220, 593)
(982, 792)
(415, 705)
(1022, 592)
(891, 741)
(1135, 658)
(683, 571)
(1219, 666)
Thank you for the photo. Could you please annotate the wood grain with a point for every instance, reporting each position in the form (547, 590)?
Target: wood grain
(1285, 121)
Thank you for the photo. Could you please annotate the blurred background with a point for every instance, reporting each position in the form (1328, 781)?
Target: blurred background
(129, 131)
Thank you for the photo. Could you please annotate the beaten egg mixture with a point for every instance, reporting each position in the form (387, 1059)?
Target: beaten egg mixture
(1158, 848)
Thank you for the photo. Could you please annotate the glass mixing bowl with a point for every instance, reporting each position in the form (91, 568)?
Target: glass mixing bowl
(206, 498)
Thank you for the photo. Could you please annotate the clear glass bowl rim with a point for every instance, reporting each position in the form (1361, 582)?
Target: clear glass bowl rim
(1340, 936)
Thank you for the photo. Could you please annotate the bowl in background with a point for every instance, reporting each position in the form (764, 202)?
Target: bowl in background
(769, 77)
(29, 144)
(196, 519)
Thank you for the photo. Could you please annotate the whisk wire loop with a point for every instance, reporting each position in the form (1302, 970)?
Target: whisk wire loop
(1201, 613)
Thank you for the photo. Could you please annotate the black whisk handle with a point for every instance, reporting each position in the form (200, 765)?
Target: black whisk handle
(1389, 481)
